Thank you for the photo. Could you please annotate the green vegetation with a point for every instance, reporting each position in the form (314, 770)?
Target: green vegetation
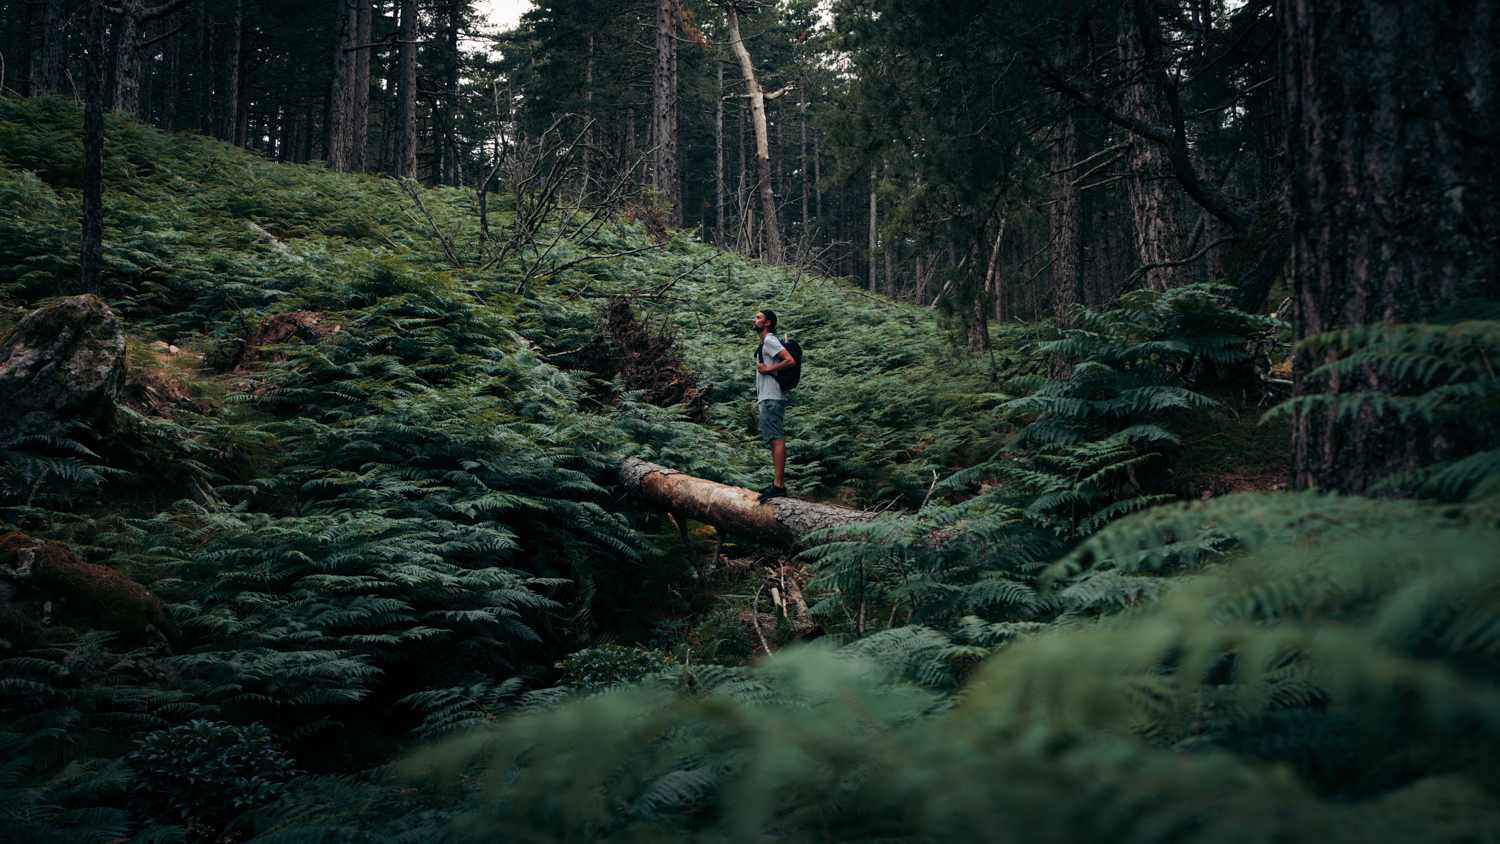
(394, 549)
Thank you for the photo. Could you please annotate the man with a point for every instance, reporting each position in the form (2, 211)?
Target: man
(771, 356)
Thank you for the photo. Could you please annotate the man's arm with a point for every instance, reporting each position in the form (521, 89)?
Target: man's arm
(783, 360)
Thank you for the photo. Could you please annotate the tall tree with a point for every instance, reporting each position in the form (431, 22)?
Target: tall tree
(359, 116)
(228, 128)
(342, 128)
(92, 244)
(1394, 196)
(132, 62)
(771, 240)
(50, 70)
(664, 112)
(1150, 194)
(404, 133)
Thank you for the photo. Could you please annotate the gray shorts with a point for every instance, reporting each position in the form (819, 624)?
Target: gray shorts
(772, 413)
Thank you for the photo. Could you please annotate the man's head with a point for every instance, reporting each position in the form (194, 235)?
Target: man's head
(765, 319)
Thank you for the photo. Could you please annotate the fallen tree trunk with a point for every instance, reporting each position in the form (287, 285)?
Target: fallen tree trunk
(784, 522)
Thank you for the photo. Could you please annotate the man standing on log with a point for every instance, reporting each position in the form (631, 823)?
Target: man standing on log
(771, 357)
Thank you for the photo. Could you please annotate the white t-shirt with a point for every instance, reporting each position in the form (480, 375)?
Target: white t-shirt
(765, 383)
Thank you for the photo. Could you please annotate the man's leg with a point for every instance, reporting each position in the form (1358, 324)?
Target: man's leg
(771, 413)
(778, 459)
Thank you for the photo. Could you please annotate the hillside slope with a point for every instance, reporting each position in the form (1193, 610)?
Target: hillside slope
(369, 479)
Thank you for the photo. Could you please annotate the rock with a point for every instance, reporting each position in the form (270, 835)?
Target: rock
(49, 596)
(62, 363)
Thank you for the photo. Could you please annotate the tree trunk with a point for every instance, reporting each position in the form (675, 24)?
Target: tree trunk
(1066, 222)
(171, 82)
(126, 95)
(743, 201)
(782, 522)
(448, 138)
(1066, 212)
(229, 76)
(27, 71)
(586, 170)
(719, 164)
(1209, 125)
(818, 178)
(341, 87)
(359, 111)
(1394, 200)
(92, 244)
(404, 140)
(203, 72)
(874, 229)
(1153, 206)
(50, 73)
(757, 99)
(664, 114)
(802, 157)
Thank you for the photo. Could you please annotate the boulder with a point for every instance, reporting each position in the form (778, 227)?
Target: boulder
(62, 363)
(49, 596)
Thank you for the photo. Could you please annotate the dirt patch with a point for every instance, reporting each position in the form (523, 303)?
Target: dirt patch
(159, 388)
(645, 358)
(1225, 452)
(247, 355)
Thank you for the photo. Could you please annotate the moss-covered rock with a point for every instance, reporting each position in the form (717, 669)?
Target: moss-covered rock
(62, 363)
(48, 595)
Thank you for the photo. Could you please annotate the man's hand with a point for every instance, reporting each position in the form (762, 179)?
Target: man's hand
(783, 360)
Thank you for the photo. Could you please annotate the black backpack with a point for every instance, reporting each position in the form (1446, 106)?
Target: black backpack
(787, 378)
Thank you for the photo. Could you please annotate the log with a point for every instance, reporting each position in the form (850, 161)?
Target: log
(783, 522)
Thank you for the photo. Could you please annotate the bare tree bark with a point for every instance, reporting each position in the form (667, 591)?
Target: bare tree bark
(203, 41)
(126, 95)
(1066, 222)
(1394, 198)
(802, 165)
(359, 112)
(341, 86)
(719, 164)
(874, 229)
(586, 170)
(1153, 208)
(1066, 211)
(744, 204)
(783, 522)
(664, 112)
(50, 72)
(404, 140)
(229, 75)
(757, 97)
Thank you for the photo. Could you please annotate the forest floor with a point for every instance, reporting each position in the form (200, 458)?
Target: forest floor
(364, 458)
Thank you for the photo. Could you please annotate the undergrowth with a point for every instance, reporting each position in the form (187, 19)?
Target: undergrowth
(399, 540)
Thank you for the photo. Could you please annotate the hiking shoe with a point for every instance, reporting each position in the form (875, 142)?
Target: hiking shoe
(772, 491)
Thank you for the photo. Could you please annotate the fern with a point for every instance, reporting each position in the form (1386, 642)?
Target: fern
(1431, 373)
